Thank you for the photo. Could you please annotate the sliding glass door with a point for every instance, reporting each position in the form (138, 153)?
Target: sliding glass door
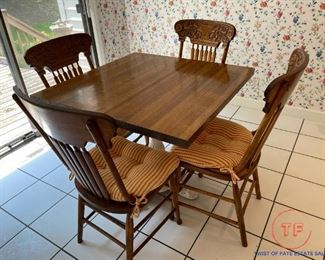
(28, 23)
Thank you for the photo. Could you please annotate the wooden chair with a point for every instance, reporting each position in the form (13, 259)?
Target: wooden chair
(116, 176)
(206, 37)
(60, 56)
(228, 151)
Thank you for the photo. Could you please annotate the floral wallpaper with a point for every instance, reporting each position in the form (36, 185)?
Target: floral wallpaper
(113, 28)
(267, 32)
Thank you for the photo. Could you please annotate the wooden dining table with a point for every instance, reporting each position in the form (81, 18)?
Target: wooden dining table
(166, 98)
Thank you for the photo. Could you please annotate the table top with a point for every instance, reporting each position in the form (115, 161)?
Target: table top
(166, 98)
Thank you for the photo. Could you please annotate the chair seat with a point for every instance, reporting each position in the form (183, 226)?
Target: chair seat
(222, 144)
(142, 169)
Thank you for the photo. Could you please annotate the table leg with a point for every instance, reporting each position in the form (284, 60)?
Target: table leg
(185, 193)
(156, 144)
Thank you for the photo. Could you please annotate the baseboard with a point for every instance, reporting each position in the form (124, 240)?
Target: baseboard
(307, 114)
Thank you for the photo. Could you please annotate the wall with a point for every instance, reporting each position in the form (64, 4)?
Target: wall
(113, 23)
(267, 32)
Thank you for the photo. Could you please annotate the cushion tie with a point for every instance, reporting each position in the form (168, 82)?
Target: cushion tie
(71, 175)
(138, 202)
(233, 175)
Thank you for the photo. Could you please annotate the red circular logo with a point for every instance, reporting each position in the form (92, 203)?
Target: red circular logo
(290, 229)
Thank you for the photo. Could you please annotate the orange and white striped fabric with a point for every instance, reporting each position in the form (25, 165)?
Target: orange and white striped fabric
(141, 168)
(221, 145)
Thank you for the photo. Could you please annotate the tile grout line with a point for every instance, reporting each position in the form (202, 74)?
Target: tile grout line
(37, 180)
(235, 112)
(269, 169)
(307, 213)
(205, 223)
(316, 137)
(25, 227)
(299, 178)
(274, 202)
(289, 131)
(288, 206)
(64, 250)
(257, 124)
(307, 155)
(55, 167)
(164, 244)
(144, 225)
(65, 192)
(283, 173)
(195, 239)
(299, 133)
(28, 226)
(315, 183)
(27, 187)
(59, 247)
(292, 176)
(142, 232)
(277, 192)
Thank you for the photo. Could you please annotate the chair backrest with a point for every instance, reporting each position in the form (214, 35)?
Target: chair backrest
(206, 37)
(60, 56)
(69, 131)
(276, 96)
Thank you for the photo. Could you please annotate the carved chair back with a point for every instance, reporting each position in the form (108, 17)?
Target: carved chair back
(206, 37)
(60, 56)
(276, 96)
(69, 131)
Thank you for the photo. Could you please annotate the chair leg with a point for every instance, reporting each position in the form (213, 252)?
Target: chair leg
(147, 140)
(240, 215)
(129, 230)
(257, 184)
(81, 212)
(174, 188)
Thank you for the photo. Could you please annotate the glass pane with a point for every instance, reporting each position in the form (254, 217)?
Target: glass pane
(29, 23)
(35, 21)
(13, 122)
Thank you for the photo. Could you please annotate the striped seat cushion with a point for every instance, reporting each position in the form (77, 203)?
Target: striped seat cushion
(222, 144)
(141, 168)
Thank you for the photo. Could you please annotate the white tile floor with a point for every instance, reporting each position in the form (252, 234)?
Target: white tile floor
(38, 206)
